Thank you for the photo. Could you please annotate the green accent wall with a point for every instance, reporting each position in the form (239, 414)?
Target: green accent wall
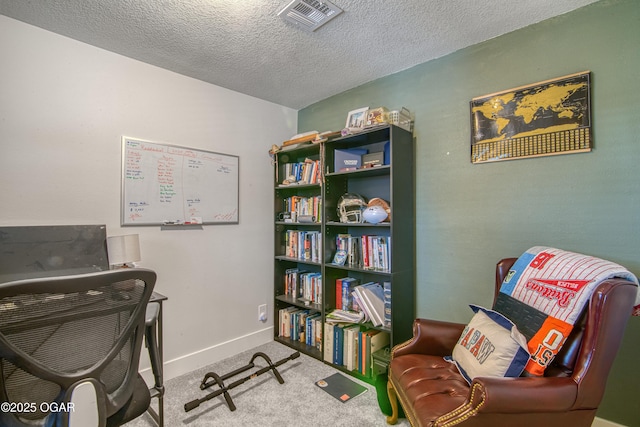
(469, 216)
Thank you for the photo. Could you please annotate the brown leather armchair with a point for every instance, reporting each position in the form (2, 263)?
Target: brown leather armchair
(433, 393)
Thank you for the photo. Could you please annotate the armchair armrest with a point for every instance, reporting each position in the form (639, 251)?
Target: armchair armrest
(496, 397)
(431, 337)
(519, 395)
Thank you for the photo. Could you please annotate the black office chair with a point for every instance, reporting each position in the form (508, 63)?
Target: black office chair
(70, 348)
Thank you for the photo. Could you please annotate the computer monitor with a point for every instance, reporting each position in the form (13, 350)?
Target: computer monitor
(51, 250)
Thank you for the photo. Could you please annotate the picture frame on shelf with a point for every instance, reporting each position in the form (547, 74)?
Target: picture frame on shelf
(356, 119)
(340, 257)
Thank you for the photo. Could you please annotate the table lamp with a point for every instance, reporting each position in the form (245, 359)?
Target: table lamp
(123, 250)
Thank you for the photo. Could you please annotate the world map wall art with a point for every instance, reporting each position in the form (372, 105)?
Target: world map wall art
(543, 119)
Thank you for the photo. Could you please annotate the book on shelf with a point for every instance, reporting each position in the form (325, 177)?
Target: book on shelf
(310, 330)
(350, 346)
(318, 330)
(328, 342)
(298, 325)
(348, 284)
(374, 297)
(339, 294)
(386, 287)
(371, 298)
(338, 343)
(291, 282)
(360, 304)
(364, 350)
(344, 287)
(343, 316)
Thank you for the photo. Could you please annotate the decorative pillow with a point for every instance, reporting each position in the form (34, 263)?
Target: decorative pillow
(490, 346)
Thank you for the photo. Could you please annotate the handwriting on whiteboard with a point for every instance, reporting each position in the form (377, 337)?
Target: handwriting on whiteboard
(165, 182)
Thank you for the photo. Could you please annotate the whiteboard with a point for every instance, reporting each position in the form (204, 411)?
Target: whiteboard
(169, 184)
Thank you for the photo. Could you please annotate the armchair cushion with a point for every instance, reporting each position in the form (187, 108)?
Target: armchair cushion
(490, 346)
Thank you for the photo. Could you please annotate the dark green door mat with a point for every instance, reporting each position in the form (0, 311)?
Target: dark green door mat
(341, 387)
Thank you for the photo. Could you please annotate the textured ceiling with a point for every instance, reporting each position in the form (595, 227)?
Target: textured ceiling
(244, 46)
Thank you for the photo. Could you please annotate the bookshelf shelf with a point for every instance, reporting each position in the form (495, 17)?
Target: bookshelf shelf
(298, 260)
(298, 187)
(340, 224)
(358, 269)
(363, 173)
(293, 301)
(395, 244)
(302, 347)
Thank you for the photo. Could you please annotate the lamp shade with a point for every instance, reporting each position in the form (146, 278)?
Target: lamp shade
(123, 249)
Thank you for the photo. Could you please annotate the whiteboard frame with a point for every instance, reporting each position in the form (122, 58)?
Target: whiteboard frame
(123, 184)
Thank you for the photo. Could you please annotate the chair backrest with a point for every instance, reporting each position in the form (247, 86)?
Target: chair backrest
(588, 353)
(55, 332)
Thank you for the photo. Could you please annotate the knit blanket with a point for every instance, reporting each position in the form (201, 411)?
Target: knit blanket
(545, 292)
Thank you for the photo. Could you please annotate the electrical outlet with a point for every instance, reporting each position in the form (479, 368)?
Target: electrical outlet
(262, 312)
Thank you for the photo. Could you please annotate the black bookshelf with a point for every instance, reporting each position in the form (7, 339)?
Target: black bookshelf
(394, 182)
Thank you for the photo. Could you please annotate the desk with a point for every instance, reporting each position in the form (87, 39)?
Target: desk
(153, 339)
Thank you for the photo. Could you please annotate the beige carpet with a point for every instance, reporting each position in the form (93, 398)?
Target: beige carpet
(263, 401)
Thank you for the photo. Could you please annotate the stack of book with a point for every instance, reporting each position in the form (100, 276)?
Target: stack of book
(353, 346)
(300, 205)
(300, 325)
(307, 172)
(303, 245)
(345, 316)
(369, 252)
(356, 303)
(303, 285)
(344, 294)
(370, 298)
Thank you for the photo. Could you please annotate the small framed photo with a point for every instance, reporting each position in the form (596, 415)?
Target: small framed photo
(340, 257)
(357, 118)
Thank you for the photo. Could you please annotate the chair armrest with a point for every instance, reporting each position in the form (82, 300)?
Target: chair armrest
(431, 337)
(518, 395)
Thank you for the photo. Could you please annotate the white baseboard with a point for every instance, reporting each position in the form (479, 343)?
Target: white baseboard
(207, 356)
(601, 422)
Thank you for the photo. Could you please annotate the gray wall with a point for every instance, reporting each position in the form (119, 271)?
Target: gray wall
(64, 107)
(469, 216)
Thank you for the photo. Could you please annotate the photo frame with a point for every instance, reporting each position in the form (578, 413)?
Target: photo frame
(542, 119)
(356, 119)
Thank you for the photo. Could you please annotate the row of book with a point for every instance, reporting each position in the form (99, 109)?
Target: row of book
(372, 299)
(303, 245)
(303, 285)
(369, 252)
(300, 325)
(301, 205)
(352, 346)
(307, 172)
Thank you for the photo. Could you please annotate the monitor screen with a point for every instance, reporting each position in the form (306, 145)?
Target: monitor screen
(52, 250)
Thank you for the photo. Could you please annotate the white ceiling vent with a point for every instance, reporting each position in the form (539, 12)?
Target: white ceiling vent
(310, 14)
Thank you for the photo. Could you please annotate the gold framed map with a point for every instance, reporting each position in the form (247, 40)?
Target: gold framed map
(543, 119)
